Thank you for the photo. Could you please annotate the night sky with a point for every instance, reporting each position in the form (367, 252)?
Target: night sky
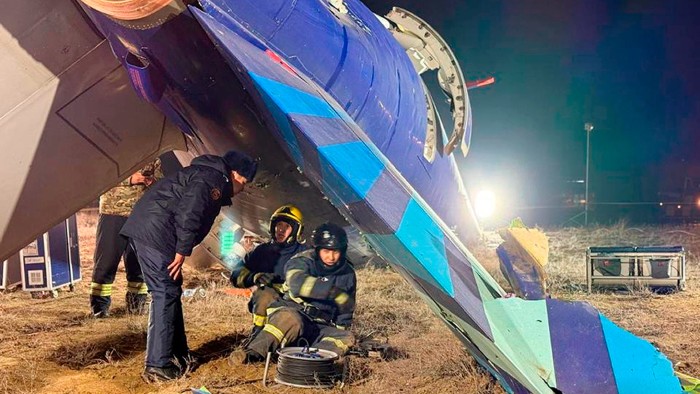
(630, 67)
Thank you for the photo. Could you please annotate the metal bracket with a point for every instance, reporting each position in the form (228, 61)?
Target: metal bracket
(429, 51)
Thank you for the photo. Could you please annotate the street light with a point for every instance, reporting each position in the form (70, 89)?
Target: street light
(588, 127)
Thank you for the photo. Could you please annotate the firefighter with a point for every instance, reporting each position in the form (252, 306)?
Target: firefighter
(264, 266)
(171, 219)
(115, 206)
(319, 303)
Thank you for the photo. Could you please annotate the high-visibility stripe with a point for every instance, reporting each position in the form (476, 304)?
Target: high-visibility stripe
(279, 287)
(137, 287)
(259, 320)
(308, 286)
(342, 298)
(276, 332)
(296, 299)
(101, 289)
(270, 311)
(240, 281)
(291, 273)
(337, 342)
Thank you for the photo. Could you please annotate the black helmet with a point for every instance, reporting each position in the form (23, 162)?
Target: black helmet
(330, 236)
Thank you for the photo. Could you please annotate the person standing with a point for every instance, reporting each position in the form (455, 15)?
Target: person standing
(115, 207)
(166, 224)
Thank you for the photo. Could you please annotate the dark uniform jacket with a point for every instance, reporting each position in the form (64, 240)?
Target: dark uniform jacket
(268, 257)
(324, 293)
(178, 211)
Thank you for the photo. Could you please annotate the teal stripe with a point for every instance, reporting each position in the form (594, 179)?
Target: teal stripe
(356, 163)
(637, 365)
(424, 238)
(521, 330)
(292, 100)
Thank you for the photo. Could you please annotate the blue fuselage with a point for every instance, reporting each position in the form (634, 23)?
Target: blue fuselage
(351, 56)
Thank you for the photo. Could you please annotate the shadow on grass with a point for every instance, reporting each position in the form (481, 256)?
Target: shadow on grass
(112, 348)
(220, 347)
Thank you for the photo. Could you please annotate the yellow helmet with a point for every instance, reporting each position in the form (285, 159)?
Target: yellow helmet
(292, 216)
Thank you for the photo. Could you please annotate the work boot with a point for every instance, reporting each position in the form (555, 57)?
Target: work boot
(158, 374)
(99, 306)
(136, 303)
(245, 356)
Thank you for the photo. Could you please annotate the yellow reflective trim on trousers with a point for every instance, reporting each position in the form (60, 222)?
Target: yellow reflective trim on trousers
(279, 287)
(137, 287)
(308, 286)
(276, 332)
(291, 273)
(337, 342)
(100, 289)
(241, 277)
(342, 298)
(259, 320)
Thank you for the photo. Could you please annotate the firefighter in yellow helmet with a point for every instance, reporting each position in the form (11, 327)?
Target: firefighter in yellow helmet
(319, 304)
(264, 265)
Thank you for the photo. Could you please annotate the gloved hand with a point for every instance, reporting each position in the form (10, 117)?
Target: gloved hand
(264, 278)
(346, 304)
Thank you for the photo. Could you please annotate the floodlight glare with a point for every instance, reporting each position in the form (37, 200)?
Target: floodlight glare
(485, 204)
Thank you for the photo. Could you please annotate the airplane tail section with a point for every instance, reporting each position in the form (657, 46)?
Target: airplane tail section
(540, 346)
(71, 125)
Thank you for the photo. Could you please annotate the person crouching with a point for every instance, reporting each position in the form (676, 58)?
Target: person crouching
(319, 303)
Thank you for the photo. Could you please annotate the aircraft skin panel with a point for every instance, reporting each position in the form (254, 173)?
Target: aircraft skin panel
(580, 354)
(482, 348)
(338, 191)
(424, 239)
(532, 332)
(391, 110)
(364, 168)
(389, 215)
(65, 133)
(625, 349)
(523, 276)
(29, 61)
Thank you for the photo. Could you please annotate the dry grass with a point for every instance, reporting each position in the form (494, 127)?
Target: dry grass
(53, 346)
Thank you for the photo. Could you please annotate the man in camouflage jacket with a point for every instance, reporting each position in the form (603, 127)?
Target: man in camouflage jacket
(115, 207)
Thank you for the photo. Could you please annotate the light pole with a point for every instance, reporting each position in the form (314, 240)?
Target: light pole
(588, 127)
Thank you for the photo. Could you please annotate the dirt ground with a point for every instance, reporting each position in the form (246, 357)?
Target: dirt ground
(54, 346)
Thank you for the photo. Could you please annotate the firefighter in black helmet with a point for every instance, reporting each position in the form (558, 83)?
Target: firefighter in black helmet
(319, 303)
(264, 266)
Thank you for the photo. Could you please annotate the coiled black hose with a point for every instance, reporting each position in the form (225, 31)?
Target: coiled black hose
(304, 367)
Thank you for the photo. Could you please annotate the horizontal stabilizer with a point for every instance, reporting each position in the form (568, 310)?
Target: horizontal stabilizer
(70, 124)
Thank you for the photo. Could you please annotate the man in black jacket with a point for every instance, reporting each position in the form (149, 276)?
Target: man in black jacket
(264, 266)
(319, 303)
(166, 223)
